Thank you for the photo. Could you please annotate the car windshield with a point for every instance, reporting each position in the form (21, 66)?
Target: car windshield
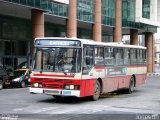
(58, 59)
(19, 73)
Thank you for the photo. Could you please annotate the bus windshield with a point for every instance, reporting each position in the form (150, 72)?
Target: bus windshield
(58, 59)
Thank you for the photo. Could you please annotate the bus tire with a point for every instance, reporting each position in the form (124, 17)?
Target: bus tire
(97, 89)
(131, 85)
(57, 97)
(1, 84)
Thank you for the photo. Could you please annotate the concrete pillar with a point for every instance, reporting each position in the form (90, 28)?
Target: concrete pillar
(97, 27)
(117, 32)
(37, 17)
(37, 24)
(72, 19)
(149, 43)
(153, 56)
(134, 37)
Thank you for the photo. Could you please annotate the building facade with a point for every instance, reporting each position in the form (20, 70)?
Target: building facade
(101, 20)
(157, 52)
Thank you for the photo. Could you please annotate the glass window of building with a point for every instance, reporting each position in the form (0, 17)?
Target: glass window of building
(85, 10)
(15, 36)
(108, 12)
(146, 9)
(84, 33)
(128, 13)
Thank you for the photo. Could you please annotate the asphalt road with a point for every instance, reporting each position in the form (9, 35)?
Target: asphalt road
(144, 103)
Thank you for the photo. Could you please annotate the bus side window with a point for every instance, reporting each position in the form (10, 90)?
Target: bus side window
(109, 60)
(119, 56)
(114, 55)
(133, 56)
(144, 57)
(99, 56)
(139, 57)
(126, 56)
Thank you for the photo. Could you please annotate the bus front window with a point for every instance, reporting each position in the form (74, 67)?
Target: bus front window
(58, 59)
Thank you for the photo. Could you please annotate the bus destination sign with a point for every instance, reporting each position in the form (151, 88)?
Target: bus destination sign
(57, 42)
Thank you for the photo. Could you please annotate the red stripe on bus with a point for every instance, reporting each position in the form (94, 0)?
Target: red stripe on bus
(51, 75)
(99, 67)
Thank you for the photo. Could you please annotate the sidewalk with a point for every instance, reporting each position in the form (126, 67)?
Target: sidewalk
(153, 74)
(156, 73)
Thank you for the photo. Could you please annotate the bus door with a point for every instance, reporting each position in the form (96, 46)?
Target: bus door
(110, 82)
(120, 68)
(88, 75)
(87, 64)
(134, 61)
(116, 70)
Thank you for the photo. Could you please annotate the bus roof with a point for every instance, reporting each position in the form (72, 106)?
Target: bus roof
(91, 42)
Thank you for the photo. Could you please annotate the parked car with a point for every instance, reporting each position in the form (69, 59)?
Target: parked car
(21, 77)
(3, 78)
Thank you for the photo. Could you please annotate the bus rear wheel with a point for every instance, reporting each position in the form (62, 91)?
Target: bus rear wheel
(131, 85)
(96, 91)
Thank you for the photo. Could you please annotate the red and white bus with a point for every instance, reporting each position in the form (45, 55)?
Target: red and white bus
(79, 67)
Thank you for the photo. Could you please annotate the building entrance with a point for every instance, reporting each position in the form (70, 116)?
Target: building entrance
(13, 54)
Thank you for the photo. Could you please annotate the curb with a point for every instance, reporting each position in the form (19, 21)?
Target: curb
(153, 74)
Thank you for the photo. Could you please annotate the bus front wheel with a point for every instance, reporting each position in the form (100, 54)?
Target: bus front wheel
(96, 91)
(57, 97)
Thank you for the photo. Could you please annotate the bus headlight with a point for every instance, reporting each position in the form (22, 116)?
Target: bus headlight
(67, 87)
(72, 87)
(37, 85)
(40, 85)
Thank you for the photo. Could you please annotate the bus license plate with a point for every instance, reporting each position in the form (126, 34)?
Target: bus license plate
(51, 92)
(67, 92)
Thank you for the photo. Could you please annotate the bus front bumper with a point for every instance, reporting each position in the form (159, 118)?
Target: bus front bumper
(55, 92)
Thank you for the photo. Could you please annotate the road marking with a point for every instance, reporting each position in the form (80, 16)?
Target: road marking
(132, 110)
(86, 109)
(18, 109)
(44, 109)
